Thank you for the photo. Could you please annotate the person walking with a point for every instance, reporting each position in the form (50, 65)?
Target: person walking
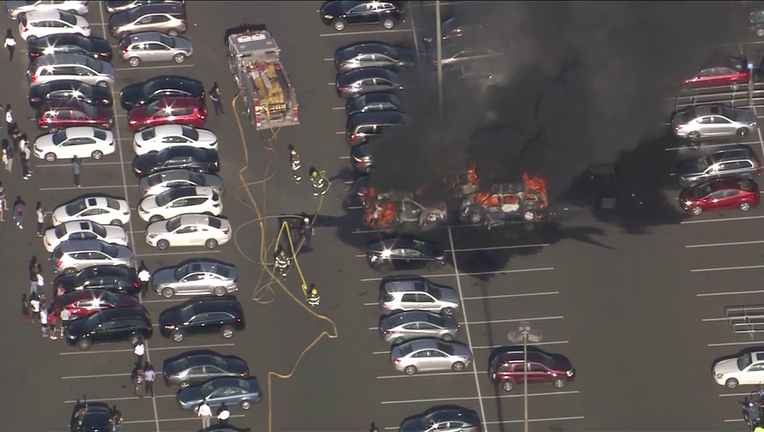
(19, 209)
(52, 322)
(65, 316)
(144, 276)
(40, 280)
(206, 414)
(76, 170)
(313, 298)
(26, 158)
(34, 306)
(8, 156)
(33, 275)
(24, 308)
(3, 202)
(40, 218)
(307, 235)
(9, 119)
(10, 44)
(60, 291)
(215, 96)
(294, 163)
(223, 414)
(149, 374)
(137, 377)
(320, 185)
(43, 319)
(116, 418)
(282, 262)
(139, 351)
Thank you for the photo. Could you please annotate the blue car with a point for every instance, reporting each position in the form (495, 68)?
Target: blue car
(231, 391)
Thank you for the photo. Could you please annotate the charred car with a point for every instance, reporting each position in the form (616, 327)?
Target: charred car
(393, 209)
(505, 202)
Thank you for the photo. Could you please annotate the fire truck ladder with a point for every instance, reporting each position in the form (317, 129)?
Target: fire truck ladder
(746, 319)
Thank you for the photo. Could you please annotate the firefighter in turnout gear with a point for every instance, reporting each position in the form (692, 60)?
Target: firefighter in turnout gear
(294, 162)
(282, 262)
(313, 298)
(320, 185)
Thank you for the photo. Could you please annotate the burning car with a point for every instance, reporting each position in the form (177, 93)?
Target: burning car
(507, 202)
(390, 209)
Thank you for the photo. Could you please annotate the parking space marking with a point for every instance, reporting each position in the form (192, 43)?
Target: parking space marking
(548, 419)
(377, 279)
(95, 376)
(179, 347)
(338, 108)
(119, 399)
(722, 344)
(500, 248)
(547, 318)
(344, 157)
(82, 187)
(733, 420)
(356, 208)
(174, 420)
(329, 59)
(714, 319)
(89, 164)
(511, 295)
(178, 253)
(751, 267)
(363, 32)
(453, 399)
(484, 347)
(712, 145)
(340, 133)
(154, 67)
(717, 294)
(725, 244)
(735, 394)
(423, 375)
(688, 222)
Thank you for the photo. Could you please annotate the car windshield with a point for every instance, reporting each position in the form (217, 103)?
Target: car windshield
(197, 179)
(744, 361)
(67, 17)
(705, 162)
(433, 291)
(109, 250)
(730, 114)
(60, 231)
(155, 106)
(109, 297)
(75, 207)
(166, 197)
(83, 277)
(94, 64)
(187, 313)
(154, 180)
(689, 116)
(221, 270)
(214, 222)
(406, 350)
(148, 134)
(173, 224)
(703, 190)
(448, 349)
(190, 133)
(59, 137)
(435, 319)
(112, 203)
(170, 42)
(747, 185)
(99, 230)
(89, 110)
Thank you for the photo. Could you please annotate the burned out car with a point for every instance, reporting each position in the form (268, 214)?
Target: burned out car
(392, 209)
(505, 202)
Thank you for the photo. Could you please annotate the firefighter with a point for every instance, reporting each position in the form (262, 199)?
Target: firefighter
(294, 162)
(320, 186)
(313, 298)
(282, 262)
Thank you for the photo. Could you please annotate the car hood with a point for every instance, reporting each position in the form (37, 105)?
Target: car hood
(77, 327)
(727, 366)
(144, 161)
(561, 362)
(170, 316)
(206, 137)
(108, 69)
(60, 213)
(81, 21)
(182, 44)
(133, 94)
(449, 295)
(123, 252)
(745, 116)
(688, 167)
(332, 8)
(138, 112)
(44, 142)
(158, 227)
(163, 277)
(113, 232)
(190, 395)
(128, 301)
(149, 203)
(407, 55)
(66, 281)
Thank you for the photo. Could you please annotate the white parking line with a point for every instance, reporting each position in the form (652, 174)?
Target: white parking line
(723, 344)
(713, 145)
(725, 244)
(733, 420)
(511, 295)
(179, 347)
(688, 222)
(714, 319)
(82, 187)
(331, 84)
(329, 59)
(734, 394)
(423, 375)
(344, 157)
(174, 420)
(547, 318)
(340, 133)
(356, 208)
(119, 399)
(89, 164)
(473, 274)
(485, 347)
(717, 294)
(95, 376)
(530, 420)
(154, 67)
(178, 253)
(342, 108)
(751, 267)
(452, 399)
(500, 248)
(363, 32)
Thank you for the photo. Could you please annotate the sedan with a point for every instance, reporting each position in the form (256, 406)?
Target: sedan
(460, 53)
(201, 366)
(156, 88)
(110, 278)
(153, 47)
(170, 110)
(161, 137)
(83, 230)
(446, 419)
(430, 355)
(15, 8)
(713, 121)
(67, 90)
(183, 157)
(102, 210)
(720, 194)
(189, 230)
(196, 278)
(404, 252)
(178, 201)
(80, 141)
(37, 24)
(747, 369)
(371, 102)
(93, 47)
(56, 114)
(373, 54)
(403, 326)
(361, 81)
(155, 184)
(731, 71)
(219, 391)
(86, 302)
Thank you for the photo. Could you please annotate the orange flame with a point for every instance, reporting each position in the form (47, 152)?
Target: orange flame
(536, 183)
(472, 174)
(381, 214)
(368, 196)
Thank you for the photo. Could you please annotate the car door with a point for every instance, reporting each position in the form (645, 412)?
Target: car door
(425, 302)
(211, 372)
(83, 146)
(185, 235)
(158, 52)
(366, 85)
(196, 324)
(731, 199)
(79, 118)
(705, 77)
(96, 214)
(63, 118)
(409, 301)
(537, 372)
(724, 75)
(358, 14)
(194, 283)
(197, 375)
(421, 359)
(105, 332)
(753, 375)
(439, 360)
(428, 330)
(713, 201)
(723, 126)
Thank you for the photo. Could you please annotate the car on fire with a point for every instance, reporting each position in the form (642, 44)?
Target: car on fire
(505, 202)
(390, 209)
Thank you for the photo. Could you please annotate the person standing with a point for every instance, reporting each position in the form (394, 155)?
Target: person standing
(206, 414)
(281, 262)
(33, 275)
(8, 156)
(3, 202)
(34, 305)
(19, 209)
(40, 218)
(137, 377)
(26, 156)
(373, 428)
(43, 319)
(116, 418)
(76, 170)
(10, 44)
(52, 321)
(223, 414)
(40, 280)
(144, 276)
(307, 235)
(215, 96)
(24, 308)
(9, 119)
(313, 298)
(149, 374)
(320, 185)
(139, 351)
(65, 317)
(294, 162)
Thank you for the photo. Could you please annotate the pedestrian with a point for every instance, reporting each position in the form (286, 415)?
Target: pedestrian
(116, 418)
(53, 322)
(15, 136)
(43, 319)
(26, 157)
(10, 43)
(137, 377)
(294, 162)
(34, 305)
(373, 428)
(40, 280)
(40, 218)
(223, 414)
(320, 185)
(750, 413)
(9, 119)
(76, 170)
(282, 262)
(33, 275)
(65, 316)
(3, 202)
(24, 308)
(144, 276)
(149, 374)
(19, 208)
(215, 96)
(8, 155)
(206, 414)
(139, 351)
(313, 298)
(60, 291)
(307, 235)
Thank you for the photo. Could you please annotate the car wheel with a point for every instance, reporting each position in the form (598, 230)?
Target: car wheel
(84, 344)
(116, 222)
(178, 336)
(168, 292)
(219, 291)
(388, 23)
(103, 84)
(31, 38)
(507, 385)
(410, 370)
(155, 218)
(475, 217)
(447, 337)
(745, 206)
(245, 404)
(163, 244)
(693, 136)
(134, 339)
(98, 154)
(211, 244)
(735, 86)
(529, 216)
(558, 383)
(398, 341)
(731, 383)
(70, 270)
(179, 58)
(447, 311)
(696, 210)
(339, 25)
(134, 61)
(457, 367)
(183, 385)
(743, 132)
(172, 33)
(50, 157)
(760, 32)
(227, 332)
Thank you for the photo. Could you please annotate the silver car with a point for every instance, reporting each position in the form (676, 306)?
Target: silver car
(373, 54)
(14, 8)
(400, 327)
(71, 67)
(72, 256)
(153, 47)
(196, 278)
(430, 355)
(416, 293)
(713, 121)
(165, 180)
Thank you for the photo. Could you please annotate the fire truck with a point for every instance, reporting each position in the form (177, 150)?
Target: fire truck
(253, 58)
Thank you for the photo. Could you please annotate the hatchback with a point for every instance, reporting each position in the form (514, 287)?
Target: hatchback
(720, 194)
(37, 24)
(198, 367)
(341, 13)
(178, 201)
(372, 54)
(83, 230)
(202, 315)
(430, 355)
(729, 71)
(736, 161)
(16, 8)
(71, 67)
(116, 279)
(86, 302)
(56, 114)
(103, 210)
(114, 6)
(409, 293)
(167, 18)
(713, 121)
(216, 392)
(506, 368)
(161, 137)
(189, 230)
(403, 326)
(362, 127)
(172, 110)
(373, 102)
(69, 90)
(403, 253)
(110, 325)
(141, 93)
(185, 157)
(369, 80)
(74, 255)
(155, 184)
(198, 277)
(154, 47)
(84, 141)
(93, 47)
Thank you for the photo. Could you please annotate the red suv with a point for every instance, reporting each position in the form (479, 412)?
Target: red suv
(89, 301)
(56, 114)
(720, 194)
(731, 71)
(506, 368)
(169, 110)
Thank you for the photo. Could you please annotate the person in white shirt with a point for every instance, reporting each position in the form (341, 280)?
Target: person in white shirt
(144, 276)
(44, 320)
(8, 116)
(149, 374)
(206, 414)
(139, 351)
(10, 43)
(34, 303)
(65, 316)
(223, 414)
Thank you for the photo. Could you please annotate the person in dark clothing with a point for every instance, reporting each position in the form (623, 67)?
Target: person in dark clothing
(294, 164)
(10, 44)
(19, 209)
(8, 155)
(373, 428)
(24, 308)
(307, 235)
(26, 154)
(33, 275)
(76, 170)
(216, 99)
(116, 418)
(137, 377)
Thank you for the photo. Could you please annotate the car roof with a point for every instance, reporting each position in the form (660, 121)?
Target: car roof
(79, 245)
(170, 129)
(43, 14)
(146, 36)
(107, 270)
(83, 294)
(213, 304)
(109, 314)
(378, 117)
(742, 151)
(58, 104)
(80, 131)
(198, 219)
(158, 8)
(370, 72)
(408, 317)
(405, 284)
(178, 101)
(425, 343)
(61, 59)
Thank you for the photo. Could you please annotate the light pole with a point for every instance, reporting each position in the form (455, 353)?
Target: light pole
(524, 334)
(439, 57)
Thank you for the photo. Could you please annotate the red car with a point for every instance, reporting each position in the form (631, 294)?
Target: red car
(505, 368)
(720, 194)
(731, 71)
(89, 301)
(169, 110)
(55, 114)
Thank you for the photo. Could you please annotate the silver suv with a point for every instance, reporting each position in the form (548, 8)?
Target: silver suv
(167, 18)
(153, 47)
(400, 327)
(71, 67)
(416, 293)
(74, 255)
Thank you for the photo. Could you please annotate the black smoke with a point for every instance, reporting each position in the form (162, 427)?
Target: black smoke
(582, 82)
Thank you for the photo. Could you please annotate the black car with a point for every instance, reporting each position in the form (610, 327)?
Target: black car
(110, 325)
(372, 102)
(182, 157)
(224, 428)
(341, 13)
(68, 90)
(92, 417)
(111, 278)
(198, 367)
(164, 86)
(446, 418)
(114, 6)
(458, 28)
(404, 253)
(360, 156)
(92, 47)
(369, 80)
(372, 54)
(201, 315)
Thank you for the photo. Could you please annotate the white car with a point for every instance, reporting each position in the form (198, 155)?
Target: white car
(748, 369)
(180, 201)
(84, 141)
(102, 210)
(43, 23)
(83, 230)
(189, 230)
(18, 7)
(161, 137)
(166, 180)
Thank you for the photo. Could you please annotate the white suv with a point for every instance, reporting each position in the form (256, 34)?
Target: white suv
(416, 293)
